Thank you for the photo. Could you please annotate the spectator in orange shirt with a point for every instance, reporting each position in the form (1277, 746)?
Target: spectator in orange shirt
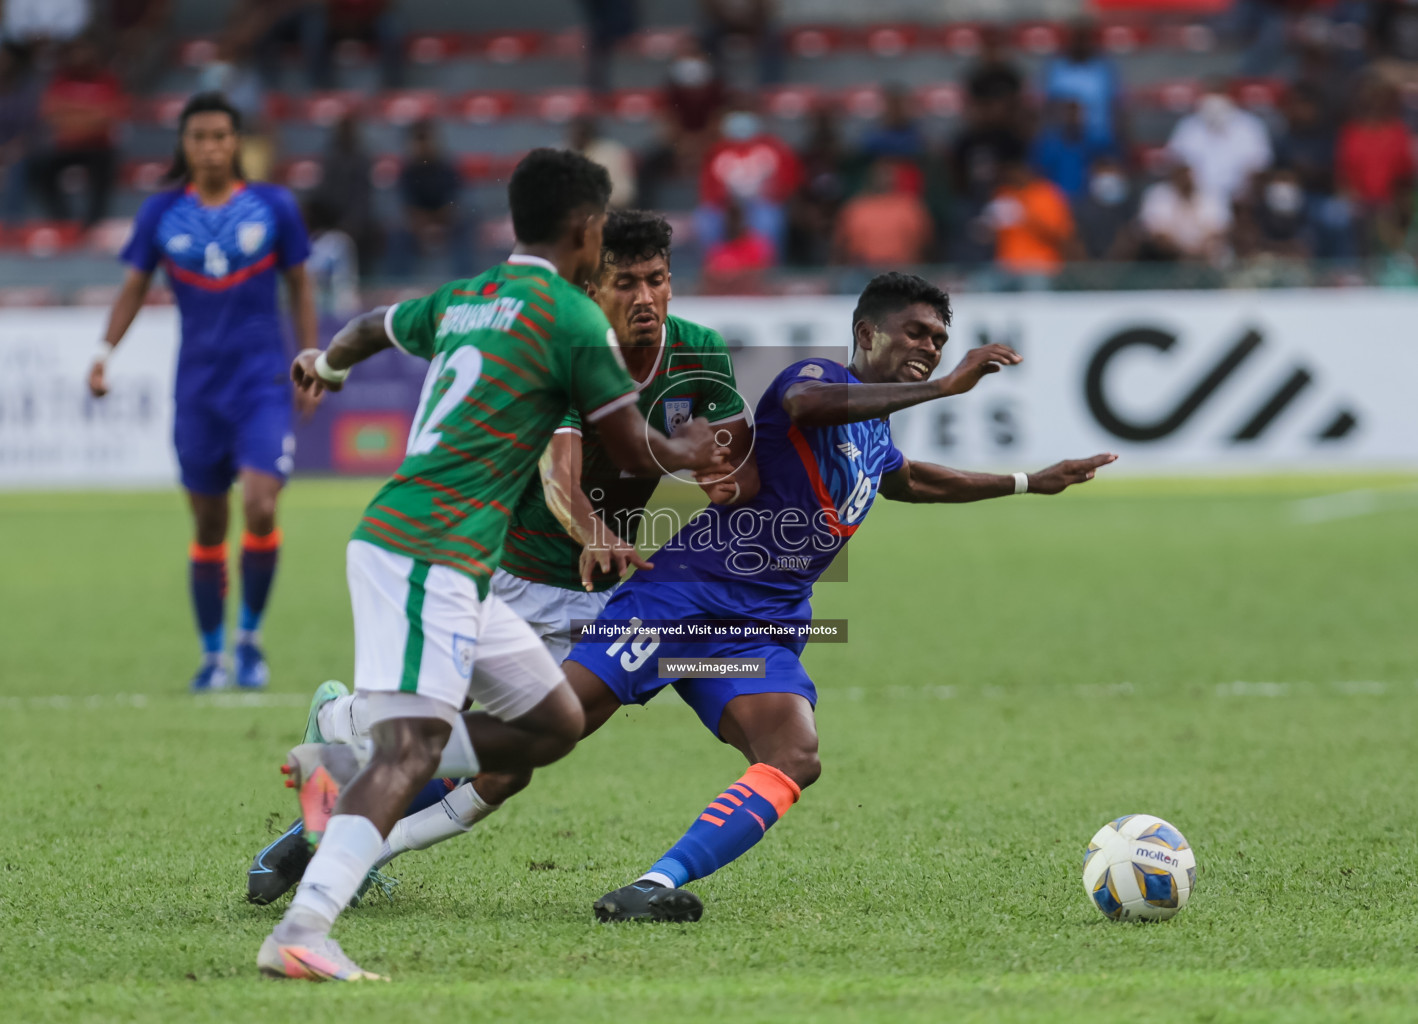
(1031, 221)
(1374, 163)
(78, 111)
(887, 225)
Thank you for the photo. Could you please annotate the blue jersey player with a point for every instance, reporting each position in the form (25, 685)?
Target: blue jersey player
(224, 243)
(824, 453)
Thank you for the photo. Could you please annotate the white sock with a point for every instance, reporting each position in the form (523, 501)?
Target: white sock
(347, 852)
(658, 879)
(457, 812)
(341, 721)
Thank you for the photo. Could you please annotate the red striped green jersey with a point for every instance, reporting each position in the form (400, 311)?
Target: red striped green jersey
(512, 351)
(693, 376)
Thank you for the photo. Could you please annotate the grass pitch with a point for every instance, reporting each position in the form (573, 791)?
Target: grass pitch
(1235, 656)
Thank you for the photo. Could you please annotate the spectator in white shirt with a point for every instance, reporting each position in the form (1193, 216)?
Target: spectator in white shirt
(1223, 145)
(1181, 223)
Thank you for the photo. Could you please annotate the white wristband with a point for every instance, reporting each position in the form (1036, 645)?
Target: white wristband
(1021, 483)
(105, 349)
(326, 372)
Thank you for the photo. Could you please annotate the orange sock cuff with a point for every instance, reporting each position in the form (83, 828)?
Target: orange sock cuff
(771, 784)
(207, 552)
(251, 542)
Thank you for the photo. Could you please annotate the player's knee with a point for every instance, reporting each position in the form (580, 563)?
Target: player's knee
(561, 722)
(410, 753)
(260, 513)
(801, 764)
(562, 735)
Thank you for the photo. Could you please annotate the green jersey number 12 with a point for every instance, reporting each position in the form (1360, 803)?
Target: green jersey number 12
(466, 363)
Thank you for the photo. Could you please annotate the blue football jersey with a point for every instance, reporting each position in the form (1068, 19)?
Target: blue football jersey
(817, 485)
(223, 264)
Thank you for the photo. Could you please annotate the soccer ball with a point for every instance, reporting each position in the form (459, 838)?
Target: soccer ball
(1139, 868)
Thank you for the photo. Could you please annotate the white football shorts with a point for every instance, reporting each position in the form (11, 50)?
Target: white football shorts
(549, 610)
(421, 628)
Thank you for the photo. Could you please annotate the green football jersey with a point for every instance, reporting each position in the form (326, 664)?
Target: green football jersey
(511, 351)
(694, 376)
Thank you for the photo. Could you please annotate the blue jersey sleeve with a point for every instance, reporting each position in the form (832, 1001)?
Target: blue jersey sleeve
(809, 370)
(143, 250)
(292, 241)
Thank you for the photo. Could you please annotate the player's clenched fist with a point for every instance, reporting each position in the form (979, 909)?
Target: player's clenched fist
(306, 380)
(700, 449)
(98, 383)
(1067, 473)
(977, 363)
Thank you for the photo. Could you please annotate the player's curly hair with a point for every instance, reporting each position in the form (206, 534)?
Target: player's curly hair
(891, 292)
(548, 187)
(632, 236)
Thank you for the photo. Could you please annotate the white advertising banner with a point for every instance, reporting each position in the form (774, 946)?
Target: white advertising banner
(1172, 381)
(53, 433)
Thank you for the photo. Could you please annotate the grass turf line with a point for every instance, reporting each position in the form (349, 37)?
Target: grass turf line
(933, 873)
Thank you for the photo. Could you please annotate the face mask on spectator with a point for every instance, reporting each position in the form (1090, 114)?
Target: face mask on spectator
(215, 77)
(1215, 109)
(1283, 197)
(1109, 188)
(740, 125)
(691, 72)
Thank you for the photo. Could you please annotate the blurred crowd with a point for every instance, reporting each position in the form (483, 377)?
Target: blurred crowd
(1042, 185)
(1039, 184)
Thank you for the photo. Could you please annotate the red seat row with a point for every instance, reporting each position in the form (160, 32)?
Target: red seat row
(805, 41)
(557, 106)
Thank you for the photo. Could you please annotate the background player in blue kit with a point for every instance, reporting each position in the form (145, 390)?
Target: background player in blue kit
(223, 243)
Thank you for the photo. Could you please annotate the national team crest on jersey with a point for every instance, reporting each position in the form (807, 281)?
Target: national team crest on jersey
(250, 235)
(677, 413)
(464, 653)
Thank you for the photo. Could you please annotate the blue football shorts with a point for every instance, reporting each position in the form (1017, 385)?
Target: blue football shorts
(630, 666)
(214, 444)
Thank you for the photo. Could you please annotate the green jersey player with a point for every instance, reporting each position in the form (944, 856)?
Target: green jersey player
(511, 351)
(574, 530)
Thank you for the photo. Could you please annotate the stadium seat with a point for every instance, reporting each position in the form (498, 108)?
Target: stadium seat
(405, 107)
(36, 295)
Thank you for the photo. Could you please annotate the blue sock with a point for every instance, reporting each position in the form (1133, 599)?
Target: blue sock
(431, 794)
(258, 569)
(207, 579)
(736, 820)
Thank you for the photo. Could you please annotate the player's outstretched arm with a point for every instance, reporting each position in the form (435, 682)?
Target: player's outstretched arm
(120, 318)
(641, 450)
(314, 371)
(927, 482)
(601, 547)
(823, 404)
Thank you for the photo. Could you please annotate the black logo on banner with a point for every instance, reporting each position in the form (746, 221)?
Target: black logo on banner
(1268, 409)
